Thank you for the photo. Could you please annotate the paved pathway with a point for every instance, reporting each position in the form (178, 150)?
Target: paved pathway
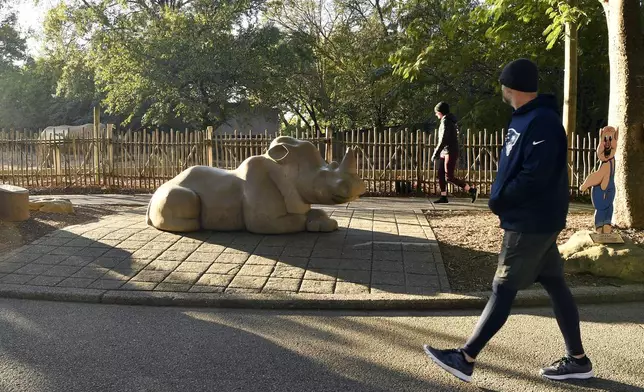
(101, 199)
(72, 347)
(141, 199)
(384, 255)
(381, 247)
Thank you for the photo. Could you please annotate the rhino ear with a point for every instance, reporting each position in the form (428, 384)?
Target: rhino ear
(278, 152)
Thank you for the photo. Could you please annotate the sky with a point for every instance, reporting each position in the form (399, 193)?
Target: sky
(31, 17)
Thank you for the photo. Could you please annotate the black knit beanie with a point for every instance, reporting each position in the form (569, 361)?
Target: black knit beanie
(520, 75)
(442, 107)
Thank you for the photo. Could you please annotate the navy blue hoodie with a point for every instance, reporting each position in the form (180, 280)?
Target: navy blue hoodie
(530, 193)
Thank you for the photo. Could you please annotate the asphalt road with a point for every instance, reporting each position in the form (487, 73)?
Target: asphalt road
(55, 346)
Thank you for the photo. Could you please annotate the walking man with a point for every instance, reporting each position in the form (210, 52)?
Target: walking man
(530, 196)
(448, 150)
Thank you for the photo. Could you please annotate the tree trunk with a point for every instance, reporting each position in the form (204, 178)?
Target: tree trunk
(570, 85)
(626, 107)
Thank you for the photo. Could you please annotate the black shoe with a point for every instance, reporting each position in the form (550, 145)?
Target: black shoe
(442, 200)
(569, 367)
(474, 193)
(451, 360)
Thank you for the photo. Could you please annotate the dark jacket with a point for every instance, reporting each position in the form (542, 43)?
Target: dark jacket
(530, 193)
(447, 136)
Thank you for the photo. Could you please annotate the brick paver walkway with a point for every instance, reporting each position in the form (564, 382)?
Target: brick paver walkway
(375, 251)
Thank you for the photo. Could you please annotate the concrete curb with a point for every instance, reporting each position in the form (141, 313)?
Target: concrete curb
(440, 301)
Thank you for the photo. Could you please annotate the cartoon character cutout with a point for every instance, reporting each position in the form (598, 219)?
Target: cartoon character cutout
(602, 181)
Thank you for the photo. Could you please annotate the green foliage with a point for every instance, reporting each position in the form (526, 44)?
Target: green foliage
(27, 99)
(457, 48)
(325, 64)
(175, 63)
(460, 46)
(348, 81)
(12, 44)
(559, 12)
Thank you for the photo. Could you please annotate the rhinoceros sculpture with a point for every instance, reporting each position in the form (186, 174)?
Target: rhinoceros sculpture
(267, 194)
(62, 136)
(62, 132)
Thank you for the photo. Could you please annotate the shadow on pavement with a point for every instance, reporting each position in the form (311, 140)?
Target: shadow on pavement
(603, 384)
(76, 347)
(123, 253)
(67, 347)
(15, 234)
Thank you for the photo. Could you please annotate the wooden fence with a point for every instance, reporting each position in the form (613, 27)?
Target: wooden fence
(390, 162)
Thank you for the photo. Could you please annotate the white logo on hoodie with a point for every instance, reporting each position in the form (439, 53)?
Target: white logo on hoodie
(510, 140)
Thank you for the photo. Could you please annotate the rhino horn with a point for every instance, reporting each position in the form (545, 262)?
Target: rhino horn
(348, 164)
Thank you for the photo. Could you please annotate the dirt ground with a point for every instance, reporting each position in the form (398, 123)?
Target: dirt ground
(16, 234)
(470, 243)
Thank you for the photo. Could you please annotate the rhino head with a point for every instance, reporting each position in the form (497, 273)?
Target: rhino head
(317, 181)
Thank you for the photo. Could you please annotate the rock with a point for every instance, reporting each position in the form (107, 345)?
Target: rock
(36, 205)
(582, 255)
(56, 206)
(14, 203)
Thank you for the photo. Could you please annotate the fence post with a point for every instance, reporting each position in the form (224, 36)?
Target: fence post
(329, 145)
(209, 131)
(57, 156)
(110, 149)
(97, 124)
(419, 171)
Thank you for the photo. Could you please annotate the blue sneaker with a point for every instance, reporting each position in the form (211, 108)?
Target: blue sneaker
(451, 360)
(569, 368)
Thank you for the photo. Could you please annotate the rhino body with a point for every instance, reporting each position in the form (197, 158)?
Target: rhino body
(268, 194)
(62, 132)
(59, 138)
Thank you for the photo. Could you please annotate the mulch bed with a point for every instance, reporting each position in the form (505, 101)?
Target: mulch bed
(16, 234)
(470, 242)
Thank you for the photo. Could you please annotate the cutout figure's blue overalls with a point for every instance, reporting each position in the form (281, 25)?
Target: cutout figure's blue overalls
(603, 199)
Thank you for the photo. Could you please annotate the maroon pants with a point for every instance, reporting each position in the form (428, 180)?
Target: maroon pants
(446, 167)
